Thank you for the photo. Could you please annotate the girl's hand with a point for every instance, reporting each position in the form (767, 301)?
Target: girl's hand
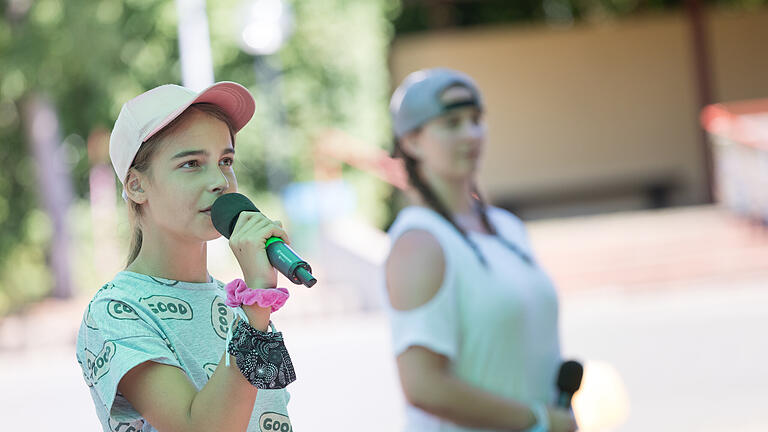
(561, 420)
(248, 243)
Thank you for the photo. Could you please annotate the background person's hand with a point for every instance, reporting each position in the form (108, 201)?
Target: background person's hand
(248, 243)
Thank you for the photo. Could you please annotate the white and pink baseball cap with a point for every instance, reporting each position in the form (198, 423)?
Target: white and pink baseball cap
(148, 113)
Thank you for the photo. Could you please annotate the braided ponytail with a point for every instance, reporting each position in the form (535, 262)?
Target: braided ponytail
(431, 199)
(483, 207)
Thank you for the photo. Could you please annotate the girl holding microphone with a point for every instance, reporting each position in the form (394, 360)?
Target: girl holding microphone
(474, 318)
(163, 345)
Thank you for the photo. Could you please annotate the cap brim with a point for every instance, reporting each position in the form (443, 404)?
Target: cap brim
(236, 101)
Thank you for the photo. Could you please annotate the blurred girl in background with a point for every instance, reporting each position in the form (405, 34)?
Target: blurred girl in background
(474, 318)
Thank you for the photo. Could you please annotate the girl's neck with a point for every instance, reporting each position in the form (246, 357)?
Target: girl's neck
(170, 257)
(454, 194)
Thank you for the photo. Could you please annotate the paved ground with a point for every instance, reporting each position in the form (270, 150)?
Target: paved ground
(682, 352)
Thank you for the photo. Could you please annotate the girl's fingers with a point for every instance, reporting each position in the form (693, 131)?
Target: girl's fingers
(255, 222)
(286, 239)
(249, 220)
(246, 233)
(241, 221)
(283, 234)
(266, 229)
(275, 230)
(262, 228)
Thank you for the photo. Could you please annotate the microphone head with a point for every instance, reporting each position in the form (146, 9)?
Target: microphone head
(226, 209)
(569, 377)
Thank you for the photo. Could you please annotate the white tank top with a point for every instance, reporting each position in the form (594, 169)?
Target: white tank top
(497, 324)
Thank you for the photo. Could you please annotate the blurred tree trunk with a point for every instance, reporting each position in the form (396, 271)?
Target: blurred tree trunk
(703, 79)
(41, 126)
(194, 45)
(101, 179)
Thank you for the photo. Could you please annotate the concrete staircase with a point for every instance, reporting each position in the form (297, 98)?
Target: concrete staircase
(648, 249)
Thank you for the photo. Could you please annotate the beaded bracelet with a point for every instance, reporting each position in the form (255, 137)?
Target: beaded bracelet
(542, 419)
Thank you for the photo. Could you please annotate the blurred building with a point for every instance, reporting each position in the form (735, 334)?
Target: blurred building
(597, 116)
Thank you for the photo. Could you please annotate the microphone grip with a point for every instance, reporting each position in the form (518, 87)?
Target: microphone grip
(287, 262)
(564, 400)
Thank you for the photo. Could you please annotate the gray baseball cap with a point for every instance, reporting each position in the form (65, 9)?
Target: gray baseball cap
(417, 99)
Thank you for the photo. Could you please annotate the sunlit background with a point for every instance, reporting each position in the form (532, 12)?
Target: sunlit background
(631, 135)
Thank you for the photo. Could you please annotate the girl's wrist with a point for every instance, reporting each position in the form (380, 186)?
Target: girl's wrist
(260, 282)
(258, 317)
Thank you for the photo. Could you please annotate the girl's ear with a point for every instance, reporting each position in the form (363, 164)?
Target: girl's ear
(410, 145)
(134, 188)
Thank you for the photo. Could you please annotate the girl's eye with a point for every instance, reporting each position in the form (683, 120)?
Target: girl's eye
(452, 122)
(227, 161)
(192, 162)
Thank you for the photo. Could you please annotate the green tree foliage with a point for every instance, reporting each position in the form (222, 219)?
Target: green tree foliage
(336, 75)
(87, 57)
(90, 56)
(423, 15)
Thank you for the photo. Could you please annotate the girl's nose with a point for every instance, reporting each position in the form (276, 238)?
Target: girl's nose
(475, 131)
(220, 183)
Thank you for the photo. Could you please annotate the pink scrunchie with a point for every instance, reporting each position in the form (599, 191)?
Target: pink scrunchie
(238, 294)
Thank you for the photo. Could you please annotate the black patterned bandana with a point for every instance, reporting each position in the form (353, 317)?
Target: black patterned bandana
(261, 357)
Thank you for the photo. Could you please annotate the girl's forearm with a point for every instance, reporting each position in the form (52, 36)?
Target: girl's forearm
(165, 396)
(450, 398)
(228, 398)
(226, 401)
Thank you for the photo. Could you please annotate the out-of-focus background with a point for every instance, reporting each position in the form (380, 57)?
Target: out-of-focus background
(630, 135)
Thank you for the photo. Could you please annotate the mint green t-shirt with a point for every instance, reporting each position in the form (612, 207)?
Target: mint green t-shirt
(137, 318)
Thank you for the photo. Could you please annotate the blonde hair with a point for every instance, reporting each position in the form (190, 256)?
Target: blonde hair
(143, 159)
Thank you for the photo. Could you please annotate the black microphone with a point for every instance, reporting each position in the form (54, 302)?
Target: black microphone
(568, 382)
(224, 213)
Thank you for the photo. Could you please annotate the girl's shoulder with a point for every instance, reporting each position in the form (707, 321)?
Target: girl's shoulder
(131, 281)
(424, 218)
(139, 291)
(122, 287)
(420, 218)
(413, 213)
(131, 296)
(511, 228)
(504, 218)
(111, 290)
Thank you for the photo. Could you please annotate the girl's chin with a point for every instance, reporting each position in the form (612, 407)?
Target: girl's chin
(208, 233)
(462, 173)
(211, 234)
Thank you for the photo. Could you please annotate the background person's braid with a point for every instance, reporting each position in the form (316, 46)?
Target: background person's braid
(431, 199)
(483, 207)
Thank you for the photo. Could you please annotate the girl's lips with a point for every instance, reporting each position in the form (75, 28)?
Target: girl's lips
(474, 154)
